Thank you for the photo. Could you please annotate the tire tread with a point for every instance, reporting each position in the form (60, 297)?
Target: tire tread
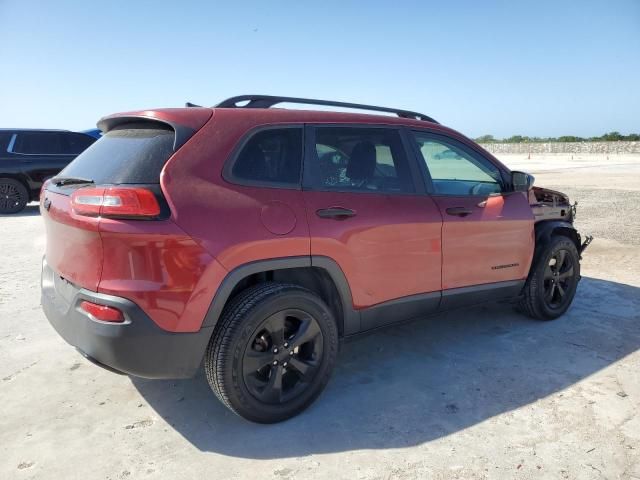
(530, 303)
(217, 353)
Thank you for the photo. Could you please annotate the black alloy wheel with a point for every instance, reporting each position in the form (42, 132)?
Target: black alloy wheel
(272, 351)
(283, 356)
(553, 279)
(559, 276)
(13, 196)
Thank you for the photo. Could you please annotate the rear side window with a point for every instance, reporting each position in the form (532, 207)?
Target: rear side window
(5, 138)
(359, 160)
(40, 143)
(129, 153)
(271, 157)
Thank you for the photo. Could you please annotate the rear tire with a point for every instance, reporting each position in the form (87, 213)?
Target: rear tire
(272, 352)
(13, 196)
(552, 282)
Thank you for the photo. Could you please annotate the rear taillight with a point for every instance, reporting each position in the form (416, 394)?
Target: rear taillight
(102, 312)
(115, 202)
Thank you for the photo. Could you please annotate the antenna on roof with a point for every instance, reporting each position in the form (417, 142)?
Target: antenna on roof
(189, 104)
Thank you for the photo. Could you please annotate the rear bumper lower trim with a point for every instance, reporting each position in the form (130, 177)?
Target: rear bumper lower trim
(137, 347)
(101, 365)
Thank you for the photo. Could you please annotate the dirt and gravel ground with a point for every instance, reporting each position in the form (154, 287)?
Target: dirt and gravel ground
(481, 393)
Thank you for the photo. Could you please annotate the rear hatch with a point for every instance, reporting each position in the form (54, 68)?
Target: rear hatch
(118, 177)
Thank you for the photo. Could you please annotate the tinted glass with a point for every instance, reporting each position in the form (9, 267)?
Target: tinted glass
(76, 143)
(40, 143)
(456, 171)
(130, 153)
(271, 156)
(359, 159)
(5, 138)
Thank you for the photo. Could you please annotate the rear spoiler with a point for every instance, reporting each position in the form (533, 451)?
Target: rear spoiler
(184, 122)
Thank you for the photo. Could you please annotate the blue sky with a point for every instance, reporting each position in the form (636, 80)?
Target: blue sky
(482, 67)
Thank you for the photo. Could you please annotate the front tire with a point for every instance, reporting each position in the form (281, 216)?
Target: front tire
(552, 282)
(272, 352)
(13, 196)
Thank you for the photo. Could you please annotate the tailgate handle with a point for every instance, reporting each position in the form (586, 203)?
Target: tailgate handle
(459, 211)
(339, 213)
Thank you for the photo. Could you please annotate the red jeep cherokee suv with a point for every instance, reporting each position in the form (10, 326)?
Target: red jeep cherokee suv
(256, 238)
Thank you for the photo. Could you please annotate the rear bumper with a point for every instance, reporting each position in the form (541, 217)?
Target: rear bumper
(136, 347)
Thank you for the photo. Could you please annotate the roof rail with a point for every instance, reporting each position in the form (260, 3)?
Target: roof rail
(266, 101)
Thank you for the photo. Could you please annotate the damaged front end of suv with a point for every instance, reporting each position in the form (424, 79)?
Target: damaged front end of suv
(552, 211)
(549, 204)
(555, 267)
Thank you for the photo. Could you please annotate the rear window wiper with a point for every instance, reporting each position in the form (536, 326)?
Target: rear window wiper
(61, 181)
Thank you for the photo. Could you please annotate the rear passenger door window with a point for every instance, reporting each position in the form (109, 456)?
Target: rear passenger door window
(270, 157)
(358, 159)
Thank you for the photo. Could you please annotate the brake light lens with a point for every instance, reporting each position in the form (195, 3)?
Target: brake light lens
(102, 312)
(115, 202)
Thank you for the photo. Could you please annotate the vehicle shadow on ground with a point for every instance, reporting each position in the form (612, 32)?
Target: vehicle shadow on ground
(424, 380)
(30, 210)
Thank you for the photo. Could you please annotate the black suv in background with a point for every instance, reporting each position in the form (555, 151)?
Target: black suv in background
(29, 157)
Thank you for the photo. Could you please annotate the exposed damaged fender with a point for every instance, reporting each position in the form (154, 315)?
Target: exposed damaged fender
(544, 230)
(554, 215)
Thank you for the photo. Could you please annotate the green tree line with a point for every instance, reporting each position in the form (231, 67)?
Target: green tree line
(607, 137)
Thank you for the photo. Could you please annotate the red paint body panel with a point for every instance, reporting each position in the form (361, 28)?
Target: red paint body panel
(390, 249)
(160, 268)
(226, 219)
(497, 234)
(154, 264)
(74, 248)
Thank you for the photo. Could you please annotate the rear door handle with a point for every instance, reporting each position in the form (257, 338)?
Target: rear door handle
(339, 213)
(459, 211)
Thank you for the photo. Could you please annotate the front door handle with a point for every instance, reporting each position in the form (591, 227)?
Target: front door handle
(459, 211)
(339, 213)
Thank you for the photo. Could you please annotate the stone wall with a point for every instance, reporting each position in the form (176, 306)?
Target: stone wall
(563, 147)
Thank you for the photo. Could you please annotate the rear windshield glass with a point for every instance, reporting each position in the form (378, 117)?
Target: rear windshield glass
(130, 153)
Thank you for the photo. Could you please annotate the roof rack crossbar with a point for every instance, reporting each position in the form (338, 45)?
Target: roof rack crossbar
(266, 101)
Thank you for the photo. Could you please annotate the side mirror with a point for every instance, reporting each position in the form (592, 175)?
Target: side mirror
(521, 181)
